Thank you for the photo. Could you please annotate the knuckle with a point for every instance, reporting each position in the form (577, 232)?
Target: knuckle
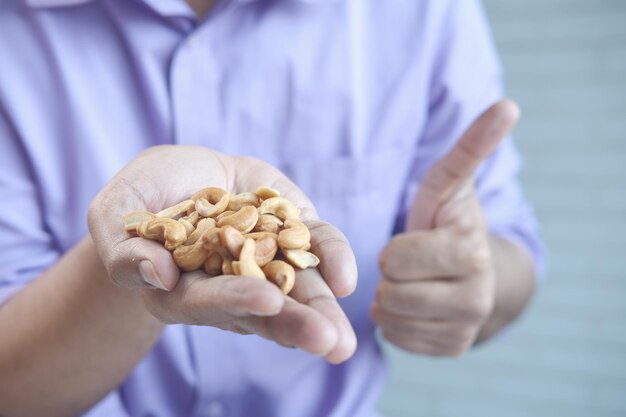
(476, 260)
(383, 292)
(476, 307)
(388, 258)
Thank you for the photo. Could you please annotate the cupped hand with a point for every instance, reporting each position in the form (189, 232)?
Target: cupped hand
(438, 285)
(309, 318)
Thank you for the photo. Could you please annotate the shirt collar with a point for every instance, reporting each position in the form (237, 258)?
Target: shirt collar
(61, 3)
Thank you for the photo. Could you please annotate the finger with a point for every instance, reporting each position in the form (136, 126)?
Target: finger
(449, 175)
(201, 300)
(447, 335)
(137, 263)
(429, 254)
(311, 290)
(337, 261)
(468, 301)
(297, 325)
(421, 346)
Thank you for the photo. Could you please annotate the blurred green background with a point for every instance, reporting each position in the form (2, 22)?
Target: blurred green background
(565, 63)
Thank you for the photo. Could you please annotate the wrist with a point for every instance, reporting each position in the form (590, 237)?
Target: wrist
(513, 272)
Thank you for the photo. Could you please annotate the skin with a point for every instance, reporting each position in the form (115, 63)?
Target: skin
(439, 293)
(201, 7)
(447, 282)
(57, 362)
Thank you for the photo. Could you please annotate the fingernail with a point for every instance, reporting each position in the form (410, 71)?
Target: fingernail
(149, 275)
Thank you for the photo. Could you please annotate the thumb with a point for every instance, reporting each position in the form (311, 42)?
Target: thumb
(138, 262)
(448, 176)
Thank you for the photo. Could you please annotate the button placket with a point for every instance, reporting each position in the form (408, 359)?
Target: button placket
(193, 80)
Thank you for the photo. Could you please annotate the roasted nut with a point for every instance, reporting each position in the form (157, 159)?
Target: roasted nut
(224, 214)
(190, 257)
(241, 200)
(247, 265)
(235, 267)
(267, 192)
(189, 227)
(211, 240)
(243, 220)
(168, 231)
(176, 210)
(301, 258)
(203, 226)
(227, 266)
(280, 207)
(281, 274)
(260, 235)
(135, 218)
(192, 218)
(268, 223)
(213, 264)
(295, 235)
(211, 201)
(266, 249)
(232, 234)
(232, 239)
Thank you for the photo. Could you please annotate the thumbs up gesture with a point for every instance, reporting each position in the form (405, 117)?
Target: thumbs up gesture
(438, 286)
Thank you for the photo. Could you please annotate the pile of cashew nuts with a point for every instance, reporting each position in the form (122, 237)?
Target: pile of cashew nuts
(232, 234)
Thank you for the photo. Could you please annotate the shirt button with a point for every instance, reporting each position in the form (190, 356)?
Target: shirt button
(215, 409)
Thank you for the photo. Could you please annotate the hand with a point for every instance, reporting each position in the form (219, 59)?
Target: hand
(438, 285)
(310, 318)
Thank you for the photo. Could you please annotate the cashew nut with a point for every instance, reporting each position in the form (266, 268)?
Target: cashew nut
(231, 234)
(232, 239)
(190, 257)
(280, 207)
(247, 265)
(295, 235)
(260, 235)
(301, 258)
(163, 229)
(267, 192)
(238, 201)
(176, 210)
(213, 264)
(211, 240)
(192, 218)
(268, 223)
(224, 214)
(281, 274)
(211, 201)
(227, 266)
(203, 226)
(266, 249)
(242, 220)
(189, 227)
(133, 219)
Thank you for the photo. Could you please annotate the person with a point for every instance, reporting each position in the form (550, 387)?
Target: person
(383, 119)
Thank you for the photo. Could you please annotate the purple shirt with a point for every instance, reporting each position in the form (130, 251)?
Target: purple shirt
(352, 99)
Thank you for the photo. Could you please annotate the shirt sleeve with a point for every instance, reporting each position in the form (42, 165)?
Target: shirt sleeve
(26, 248)
(467, 79)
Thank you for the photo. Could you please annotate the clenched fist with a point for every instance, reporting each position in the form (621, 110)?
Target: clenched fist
(438, 286)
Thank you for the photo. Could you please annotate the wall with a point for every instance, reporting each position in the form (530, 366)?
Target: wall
(566, 66)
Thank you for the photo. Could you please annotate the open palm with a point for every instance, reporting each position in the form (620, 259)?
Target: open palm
(309, 318)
